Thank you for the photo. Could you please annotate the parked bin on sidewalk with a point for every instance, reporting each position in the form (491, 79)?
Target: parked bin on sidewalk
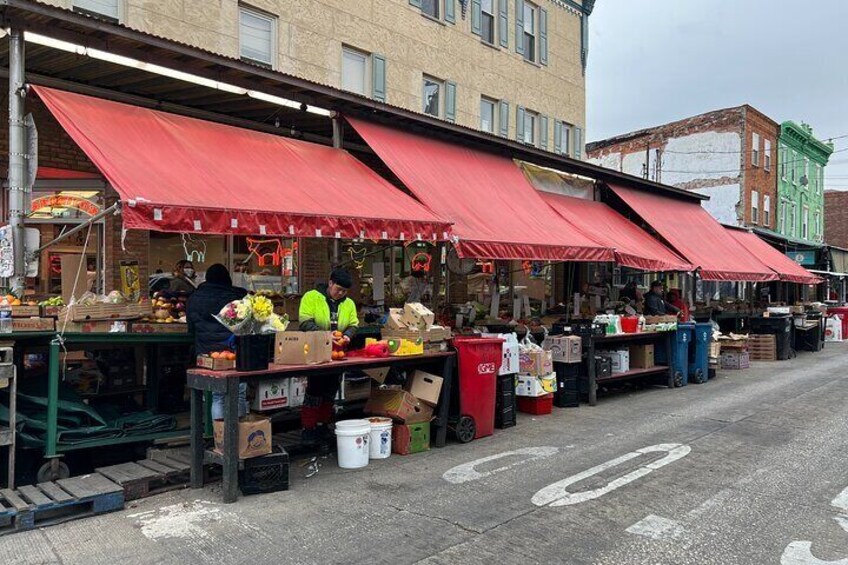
(478, 360)
(699, 352)
(842, 311)
(678, 358)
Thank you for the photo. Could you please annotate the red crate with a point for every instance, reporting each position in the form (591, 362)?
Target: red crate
(538, 405)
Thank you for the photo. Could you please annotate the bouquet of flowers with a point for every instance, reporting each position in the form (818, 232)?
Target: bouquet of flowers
(252, 315)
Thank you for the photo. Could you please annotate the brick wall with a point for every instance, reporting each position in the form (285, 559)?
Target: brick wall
(316, 262)
(758, 177)
(835, 218)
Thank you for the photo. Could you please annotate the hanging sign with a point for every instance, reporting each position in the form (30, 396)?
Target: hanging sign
(45, 204)
(7, 253)
(802, 257)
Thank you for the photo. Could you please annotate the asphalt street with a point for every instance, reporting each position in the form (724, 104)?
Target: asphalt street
(749, 468)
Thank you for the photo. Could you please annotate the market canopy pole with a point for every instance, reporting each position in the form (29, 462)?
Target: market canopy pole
(113, 209)
(17, 153)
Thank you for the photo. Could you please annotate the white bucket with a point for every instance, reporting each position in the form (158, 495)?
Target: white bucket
(381, 437)
(352, 440)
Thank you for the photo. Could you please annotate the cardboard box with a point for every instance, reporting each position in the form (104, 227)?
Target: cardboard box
(158, 328)
(510, 359)
(102, 326)
(534, 385)
(303, 348)
(394, 320)
(620, 361)
(33, 324)
(642, 356)
(254, 436)
(26, 311)
(270, 394)
(355, 388)
(418, 316)
(206, 362)
(297, 391)
(564, 349)
(425, 387)
(535, 362)
(413, 438)
(379, 374)
(398, 405)
(405, 347)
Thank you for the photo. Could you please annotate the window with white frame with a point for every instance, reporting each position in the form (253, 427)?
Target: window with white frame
(755, 207)
(807, 171)
(531, 127)
(355, 73)
(767, 211)
(817, 226)
(487, 21)
(793, 167)
(431, 8)
(433, 89)
(110, 9)
(488, 115)
(257, 36)
(805, 223)
(755, 150)
(565, 137)
(817, 174)
(767, 154)
(784, 228)
(530, 15)
(783, 156)
(793, 215)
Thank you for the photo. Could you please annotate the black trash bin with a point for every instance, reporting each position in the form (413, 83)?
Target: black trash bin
(780, 326)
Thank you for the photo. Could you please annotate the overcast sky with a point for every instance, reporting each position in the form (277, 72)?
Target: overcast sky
(656, 61)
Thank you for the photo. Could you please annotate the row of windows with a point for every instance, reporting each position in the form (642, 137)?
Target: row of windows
(756, 149)
(797, 170)
(755, 209)
(788, 215)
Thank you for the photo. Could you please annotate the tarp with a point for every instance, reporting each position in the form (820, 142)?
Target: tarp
(634, 247)
(496, 212)
(696, 236)
(181, 174)
(787, 269)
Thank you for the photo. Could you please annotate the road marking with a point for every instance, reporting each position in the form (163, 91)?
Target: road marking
(188, 521)
(557, 494)
(657, 527)
(800, 552)
(468, 472)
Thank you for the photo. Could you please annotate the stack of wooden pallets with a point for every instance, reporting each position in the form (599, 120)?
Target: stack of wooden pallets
(762, 347)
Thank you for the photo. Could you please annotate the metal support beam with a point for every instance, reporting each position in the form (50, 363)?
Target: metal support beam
(17, 155)
(338, 131)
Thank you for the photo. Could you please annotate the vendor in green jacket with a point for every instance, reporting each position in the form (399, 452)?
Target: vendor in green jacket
(327, 308)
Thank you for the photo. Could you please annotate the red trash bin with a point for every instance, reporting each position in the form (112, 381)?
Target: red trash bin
(479, 360)
(842, 311)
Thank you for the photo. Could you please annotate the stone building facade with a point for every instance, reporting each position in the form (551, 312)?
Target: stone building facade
(728, 155)
(511, 67)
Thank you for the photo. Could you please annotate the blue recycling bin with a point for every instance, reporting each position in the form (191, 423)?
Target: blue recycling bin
(679, 355)
(699, 353)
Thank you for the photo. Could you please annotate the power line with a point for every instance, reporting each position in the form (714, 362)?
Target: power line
(746, 168)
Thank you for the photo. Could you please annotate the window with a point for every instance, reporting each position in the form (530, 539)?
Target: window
(562, 134)
(783, 227)
(530, 127)
(432, 96)
(783, 156)
(755, 150)
(805, 223)
(529, 38)
(767, 211)
(792, 218)
(111, 9)
(792, 168)
(488, 115)
(257, 36)
(431, 8)
(487, 21)
(805, 180)
(355, 71)
(755, 207)
(767, 155)
(817, 227)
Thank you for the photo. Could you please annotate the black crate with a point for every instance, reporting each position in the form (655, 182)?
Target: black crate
(603, 367)
(567, 394)
(253, 352)
(269, 473)
(505, 402)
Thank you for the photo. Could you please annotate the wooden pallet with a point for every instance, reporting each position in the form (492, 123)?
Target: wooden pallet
(762, 348)
(50, 503)
(163, 470)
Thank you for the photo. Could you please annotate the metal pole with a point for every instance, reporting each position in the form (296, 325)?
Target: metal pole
(17, 150)
(113, 209)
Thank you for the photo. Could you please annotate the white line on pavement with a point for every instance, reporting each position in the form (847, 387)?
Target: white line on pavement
(468, 472)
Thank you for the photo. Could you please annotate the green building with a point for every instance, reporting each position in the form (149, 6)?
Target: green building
(800, 184)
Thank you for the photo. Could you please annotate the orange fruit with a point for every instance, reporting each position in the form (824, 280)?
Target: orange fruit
(231, 356)
(215, 355)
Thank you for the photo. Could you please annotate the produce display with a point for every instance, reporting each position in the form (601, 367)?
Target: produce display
(52, 301)
(169, 307)
(253, 314)
(228, 355)
(12, 300)
(338, 346)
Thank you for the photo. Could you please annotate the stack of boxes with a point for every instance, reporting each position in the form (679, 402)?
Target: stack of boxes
(415, 322)
(536, 380)
(567, 352)
(505, 402)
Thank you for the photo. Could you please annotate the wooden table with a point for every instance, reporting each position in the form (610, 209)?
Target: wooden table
(640, 337)
(227, 383)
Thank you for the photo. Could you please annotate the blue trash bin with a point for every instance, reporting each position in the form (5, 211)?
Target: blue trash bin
(679, 358)
(699, 353)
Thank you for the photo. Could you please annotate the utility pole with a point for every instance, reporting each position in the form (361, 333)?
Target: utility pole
(17, 156)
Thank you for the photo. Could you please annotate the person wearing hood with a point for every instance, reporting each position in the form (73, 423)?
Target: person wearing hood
(183, 279)
(327, 308)
(210, 334)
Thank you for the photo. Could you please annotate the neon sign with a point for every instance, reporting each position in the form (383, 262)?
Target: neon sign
(48, 203)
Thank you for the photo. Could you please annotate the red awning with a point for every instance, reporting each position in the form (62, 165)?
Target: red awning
(634, 247)
(697, 236)
(786, 268)
(181, 174)
(496, 213)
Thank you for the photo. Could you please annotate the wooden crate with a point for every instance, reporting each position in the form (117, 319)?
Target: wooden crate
(33, 324)
(158, 328)
(762, 348)
(24, 311)
(101, 311)
(161, 471)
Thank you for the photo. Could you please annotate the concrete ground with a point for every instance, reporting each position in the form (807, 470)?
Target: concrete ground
(750, 468)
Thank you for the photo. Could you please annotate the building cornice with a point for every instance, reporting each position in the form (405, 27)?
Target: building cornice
(800, 138)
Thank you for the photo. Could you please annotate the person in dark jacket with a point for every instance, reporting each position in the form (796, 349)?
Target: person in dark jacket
(655, 303)
(210, 334)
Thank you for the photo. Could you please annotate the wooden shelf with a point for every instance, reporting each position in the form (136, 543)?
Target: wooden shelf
(639, 336)
(635, 373)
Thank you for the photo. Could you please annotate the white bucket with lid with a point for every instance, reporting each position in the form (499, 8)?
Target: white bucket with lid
(381, 437)
(352, 438)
